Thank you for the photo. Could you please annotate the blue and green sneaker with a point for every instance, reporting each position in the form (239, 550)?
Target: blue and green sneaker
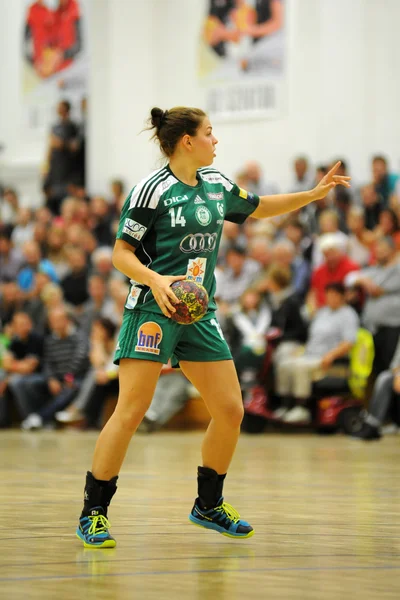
(93, 530)
(222, 518)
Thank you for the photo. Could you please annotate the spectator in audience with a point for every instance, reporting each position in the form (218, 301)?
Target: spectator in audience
(372, 204)
(232, 235)
(10, 301)
(24, 228)
(11, 259)
(102, 262)
(9, 207)
(23, 357)
(360, 238)
(99, 381)
(342, 199)
(118, 196)
(381, 312)
(34, 304)
(61, 158)
(256, 182)
(114, 310)
(171, 394)
(41, 395)
(331, 336)
(386, 392)
(97, 305)
(75, 283)
(328, 221)
(34, 263)
(334, 269)
(284, 256)
(260, 251)
(303, 179)
(247, 328)
(388, 225)
(383, 182)
(43, 215)
(56, 240)
(101, 221)
(238, 275)
(295, 232)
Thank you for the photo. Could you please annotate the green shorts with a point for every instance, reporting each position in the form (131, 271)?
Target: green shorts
(151, 336)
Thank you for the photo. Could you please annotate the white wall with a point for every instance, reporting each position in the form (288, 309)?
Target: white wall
(343, 87)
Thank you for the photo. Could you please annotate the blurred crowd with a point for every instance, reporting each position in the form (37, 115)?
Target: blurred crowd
(315, 277)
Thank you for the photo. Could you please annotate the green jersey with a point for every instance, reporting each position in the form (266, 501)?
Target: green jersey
(176, 228)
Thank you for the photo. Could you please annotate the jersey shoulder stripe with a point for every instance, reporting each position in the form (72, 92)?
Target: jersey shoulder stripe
(139, 191)
(157, 189)
(214, 176)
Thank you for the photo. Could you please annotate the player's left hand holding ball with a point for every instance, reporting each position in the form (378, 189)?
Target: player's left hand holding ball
(330, 181)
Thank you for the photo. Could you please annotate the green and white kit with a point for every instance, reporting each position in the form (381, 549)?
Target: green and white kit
(176, 230)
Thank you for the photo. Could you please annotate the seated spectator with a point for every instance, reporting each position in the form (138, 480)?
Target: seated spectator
(34, 264)
(232, 235)
(295, 232)
(381, 312)
(170, 396)
(360, 238)
(100, 222)
(33, 306)
(40, 237)
(386, 391)
(341, 197)
(24, 227)
(75, 283)
(65, 362)
(303, 179)
(97, 305)
(247, 328)
(11, 302)
(9, 208)
(114, 310)
(23, 357)
(328, 223)
(372, 205)
(331, 336)
(384, 182)
(334, 269)
(285, 311)
(102, 262)
(101, 379)
(56, 239)
(260, 251)
(238, 275)
(256, 181)
(284, 256)
(388, 225)
(11, 259)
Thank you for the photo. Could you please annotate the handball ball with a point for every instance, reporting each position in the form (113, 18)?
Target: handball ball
(193, 302)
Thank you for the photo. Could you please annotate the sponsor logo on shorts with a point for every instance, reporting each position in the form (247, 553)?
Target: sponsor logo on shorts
(203, 216)
(149, 338)
(216, 195)
(199, 242)
(134, 229)
(196, 269)
(199, 200)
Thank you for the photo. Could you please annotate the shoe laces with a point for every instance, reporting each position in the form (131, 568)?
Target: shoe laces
(229, 511)
(100, 524)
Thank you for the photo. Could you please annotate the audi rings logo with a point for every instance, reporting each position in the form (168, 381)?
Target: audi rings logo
(199, 242)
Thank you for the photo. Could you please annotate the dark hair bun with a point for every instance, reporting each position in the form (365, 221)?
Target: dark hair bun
(157, 115)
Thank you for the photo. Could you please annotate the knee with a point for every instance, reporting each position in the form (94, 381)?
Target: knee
(131, 413)
(233, 415)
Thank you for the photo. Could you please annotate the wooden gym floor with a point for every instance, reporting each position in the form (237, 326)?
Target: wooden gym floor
(326, 511)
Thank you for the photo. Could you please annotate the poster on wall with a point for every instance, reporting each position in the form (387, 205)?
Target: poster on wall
(242, 57)
(54, 59)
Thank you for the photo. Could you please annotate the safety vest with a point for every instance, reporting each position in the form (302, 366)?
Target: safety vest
(361, 362)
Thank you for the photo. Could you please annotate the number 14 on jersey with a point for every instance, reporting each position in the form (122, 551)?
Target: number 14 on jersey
(177, 219)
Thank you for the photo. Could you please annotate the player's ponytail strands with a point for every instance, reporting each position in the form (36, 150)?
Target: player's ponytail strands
(171, 125)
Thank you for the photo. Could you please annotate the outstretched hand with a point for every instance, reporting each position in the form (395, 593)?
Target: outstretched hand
(330, 181)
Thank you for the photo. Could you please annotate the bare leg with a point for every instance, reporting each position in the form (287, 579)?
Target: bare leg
(219, 387)
(137, 382)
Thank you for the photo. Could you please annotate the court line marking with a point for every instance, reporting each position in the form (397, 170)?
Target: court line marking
(195, 571)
